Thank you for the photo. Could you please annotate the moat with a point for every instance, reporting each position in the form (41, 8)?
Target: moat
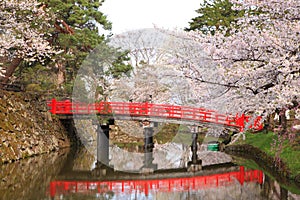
(75, 174)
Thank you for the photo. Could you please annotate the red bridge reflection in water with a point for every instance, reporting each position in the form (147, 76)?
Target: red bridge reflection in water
(159, 185)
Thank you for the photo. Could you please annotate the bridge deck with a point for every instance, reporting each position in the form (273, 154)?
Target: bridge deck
(154, 112)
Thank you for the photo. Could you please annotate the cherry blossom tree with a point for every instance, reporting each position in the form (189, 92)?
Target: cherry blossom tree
(253, 70)
(146, 49)
(152, 54)
(145, 46)
(259, 61)
(23, 35)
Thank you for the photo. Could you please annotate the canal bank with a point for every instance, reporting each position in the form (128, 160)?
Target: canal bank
(27, 128)
(257, 147)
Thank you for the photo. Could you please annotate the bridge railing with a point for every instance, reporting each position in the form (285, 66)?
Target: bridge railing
(152, 110)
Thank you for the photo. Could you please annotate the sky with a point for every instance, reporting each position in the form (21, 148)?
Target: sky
(128, 15)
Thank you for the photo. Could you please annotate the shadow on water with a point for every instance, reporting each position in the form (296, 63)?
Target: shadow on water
(74, 174)
(30, 178)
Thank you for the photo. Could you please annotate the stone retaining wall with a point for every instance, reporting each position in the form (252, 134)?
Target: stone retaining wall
(27, 128)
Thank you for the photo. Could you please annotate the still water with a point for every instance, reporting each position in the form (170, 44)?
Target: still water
(75, 175)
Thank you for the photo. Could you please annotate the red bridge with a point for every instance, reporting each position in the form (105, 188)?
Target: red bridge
(161, 185)
(156, 112)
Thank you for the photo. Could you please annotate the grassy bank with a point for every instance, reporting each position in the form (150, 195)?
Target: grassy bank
(290, 153)
(251, 164)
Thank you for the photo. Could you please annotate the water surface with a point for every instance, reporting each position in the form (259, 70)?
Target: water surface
(76, 175)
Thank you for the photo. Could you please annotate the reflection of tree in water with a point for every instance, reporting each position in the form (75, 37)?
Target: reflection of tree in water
(86, 131)
(106, 194)
(93, 195)
(83, 159)
(30, 178)
(266, 187)
(273, 190)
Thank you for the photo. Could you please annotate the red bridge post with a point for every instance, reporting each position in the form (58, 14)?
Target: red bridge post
(52, 189)
(53, 106)
(242, 175)
(147, 108)
(260, 177)
(240, 121)
(68, 106)
(257, 123)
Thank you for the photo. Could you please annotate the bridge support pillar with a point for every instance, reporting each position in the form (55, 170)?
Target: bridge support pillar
(103, 144)
(148, 166)
(195, 164)
(148, 138)
(102, 170)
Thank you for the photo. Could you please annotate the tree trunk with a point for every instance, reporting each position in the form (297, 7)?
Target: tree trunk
(10, 69)
(283, 121)
(60, 73)
(271, 122)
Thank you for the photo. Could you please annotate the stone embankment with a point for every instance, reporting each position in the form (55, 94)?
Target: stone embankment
(27, 128)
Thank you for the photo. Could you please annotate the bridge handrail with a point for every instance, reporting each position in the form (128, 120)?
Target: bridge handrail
(137, 109)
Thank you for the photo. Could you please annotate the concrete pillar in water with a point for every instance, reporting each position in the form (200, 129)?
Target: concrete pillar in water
(148, 138)
(148, 166)
(103, 144)
(102, 164)
(194, 148)
(195, 164)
